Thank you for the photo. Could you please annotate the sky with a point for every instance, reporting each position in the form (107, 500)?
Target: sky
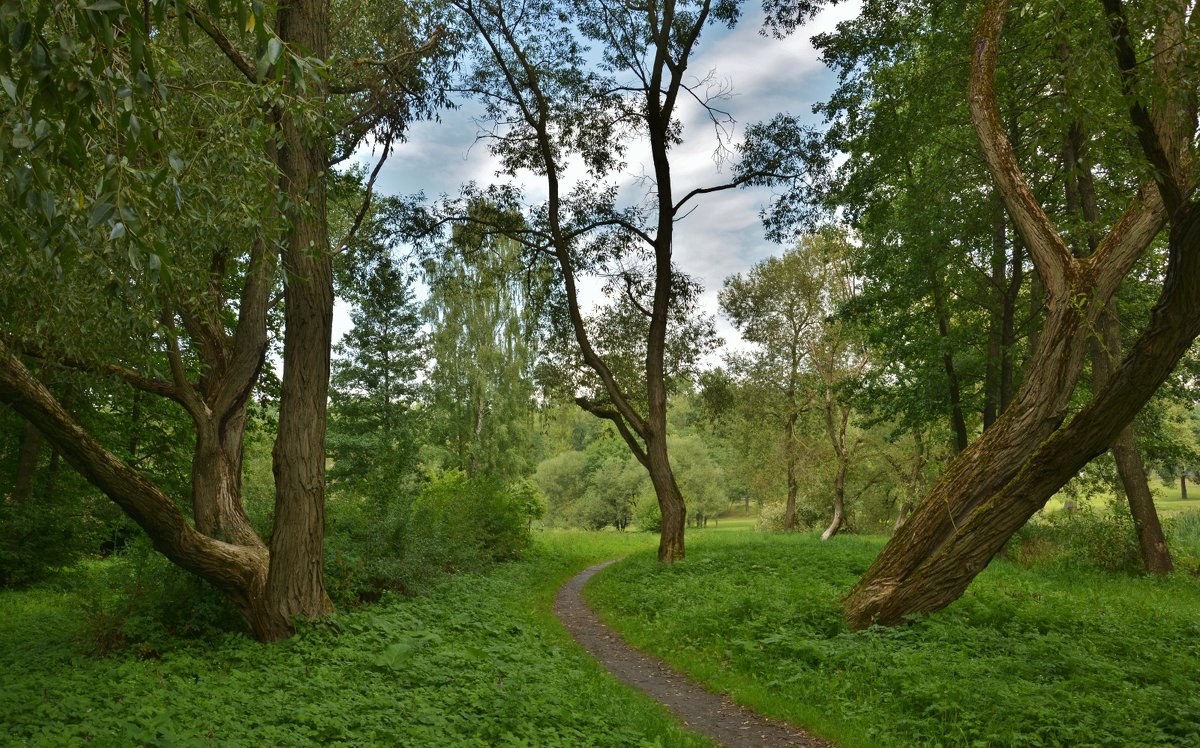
(724, 235)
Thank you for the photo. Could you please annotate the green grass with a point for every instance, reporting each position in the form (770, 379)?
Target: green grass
(1168, 499)
(478, 661)
(1027, 658)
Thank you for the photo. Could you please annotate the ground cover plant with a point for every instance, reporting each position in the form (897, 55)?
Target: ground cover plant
(1048, 655)
(478, 660)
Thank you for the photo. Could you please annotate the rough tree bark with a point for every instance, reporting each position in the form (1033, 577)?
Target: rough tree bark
(269, 587)
(994, 486)
(297, 581)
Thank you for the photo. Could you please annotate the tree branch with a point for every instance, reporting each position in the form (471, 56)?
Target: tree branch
(1052, 257)
(612, 415)
(151, 385)
(366, 203)
(1167, 174)
(239, 60)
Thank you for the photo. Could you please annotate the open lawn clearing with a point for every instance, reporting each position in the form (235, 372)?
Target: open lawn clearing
(479, 661)
(1027, 657)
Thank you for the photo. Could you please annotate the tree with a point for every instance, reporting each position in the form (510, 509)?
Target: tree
(804, 355)
(549, 105)
(373, 430)
(486, 317)
(1000, 480)
(175, 294)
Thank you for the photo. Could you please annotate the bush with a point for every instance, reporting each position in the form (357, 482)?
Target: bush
(141, 601)
(454, 524)
(1101, 539)
(646, 513)
(1183, 537)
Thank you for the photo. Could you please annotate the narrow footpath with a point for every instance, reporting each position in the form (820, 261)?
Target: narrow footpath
(700, 710)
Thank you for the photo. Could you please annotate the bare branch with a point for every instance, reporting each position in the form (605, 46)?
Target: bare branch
(151, 385)
(239, 60)
(366, 203)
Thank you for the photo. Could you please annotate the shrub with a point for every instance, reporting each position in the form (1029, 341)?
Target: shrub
(1183, 537)
(141, 601)
(454, 524)
(646, 513)
(1102, 539)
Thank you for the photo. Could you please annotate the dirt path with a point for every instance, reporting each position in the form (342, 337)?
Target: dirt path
(700, 711)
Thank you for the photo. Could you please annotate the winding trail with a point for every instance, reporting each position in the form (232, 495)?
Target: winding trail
(700, 710)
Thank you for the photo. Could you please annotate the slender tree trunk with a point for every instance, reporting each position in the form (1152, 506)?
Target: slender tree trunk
(1105, 349)
(1156, 556)
(1009, 324)
(1183, 486)
(958, 421)
(993, 362)
(793, 487)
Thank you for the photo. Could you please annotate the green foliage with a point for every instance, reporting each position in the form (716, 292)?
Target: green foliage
(1183, 537)
(1046, 656)
(373, 424)
(453, 524)
(139, 601)
(479, 661)
(485, 311)
(1086, 536)
(646, 512)
(603, 485)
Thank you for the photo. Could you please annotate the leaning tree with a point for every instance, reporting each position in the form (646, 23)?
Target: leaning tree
(995, 485)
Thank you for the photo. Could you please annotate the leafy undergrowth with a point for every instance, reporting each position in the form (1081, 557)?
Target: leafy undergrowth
(1029, 657)
(477, 661)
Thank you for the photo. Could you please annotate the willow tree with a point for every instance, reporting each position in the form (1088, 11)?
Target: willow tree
(570, 116)
(992, 488)
(111, 107)
(485, 316)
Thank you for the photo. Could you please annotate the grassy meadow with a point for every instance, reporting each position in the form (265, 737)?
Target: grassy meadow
(477, 661)
(1050, 655)
(1046, 656)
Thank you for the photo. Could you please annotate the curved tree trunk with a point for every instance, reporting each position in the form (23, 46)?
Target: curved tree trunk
(993, 487)
(839, 503)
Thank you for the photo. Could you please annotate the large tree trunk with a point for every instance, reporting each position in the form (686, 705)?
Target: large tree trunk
(240, 572)
(670, 501)
(994, 486)
(296, 584)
